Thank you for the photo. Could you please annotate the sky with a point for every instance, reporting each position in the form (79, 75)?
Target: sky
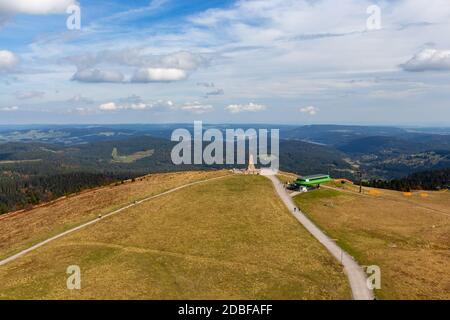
(249, 61)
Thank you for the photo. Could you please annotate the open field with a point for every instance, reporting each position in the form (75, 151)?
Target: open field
(432, 200)
(408, 236)
(23, 229)
(132, 157)
(225, 239)
(19, 161)
(286, 177)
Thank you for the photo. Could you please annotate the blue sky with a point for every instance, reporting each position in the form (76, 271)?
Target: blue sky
(277, 61)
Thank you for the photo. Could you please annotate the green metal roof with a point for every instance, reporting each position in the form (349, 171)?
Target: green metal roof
(313, 180)
(315, 177)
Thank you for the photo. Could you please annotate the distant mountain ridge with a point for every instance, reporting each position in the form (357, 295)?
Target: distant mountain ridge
(32, 157)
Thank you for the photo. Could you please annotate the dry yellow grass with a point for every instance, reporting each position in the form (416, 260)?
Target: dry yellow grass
(226, 239)
(286, 177)
(408, 237)
(19, 231)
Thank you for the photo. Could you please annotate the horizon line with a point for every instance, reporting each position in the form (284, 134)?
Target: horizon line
(412, 125)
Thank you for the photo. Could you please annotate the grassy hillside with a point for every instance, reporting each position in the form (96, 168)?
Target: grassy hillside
(24, 229)
(406, 234)
(227, 239)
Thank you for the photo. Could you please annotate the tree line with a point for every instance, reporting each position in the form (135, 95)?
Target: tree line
(426, 180)
(22, 193)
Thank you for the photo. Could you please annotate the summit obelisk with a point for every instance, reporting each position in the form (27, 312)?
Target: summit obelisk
(251, 165)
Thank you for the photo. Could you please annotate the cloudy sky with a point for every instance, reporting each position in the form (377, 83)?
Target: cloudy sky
(273, 61)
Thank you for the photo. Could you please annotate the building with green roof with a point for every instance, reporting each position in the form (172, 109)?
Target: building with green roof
(312, 181)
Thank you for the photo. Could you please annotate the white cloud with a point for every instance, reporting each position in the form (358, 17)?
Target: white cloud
(136, 103)
(35, 6)
(268, 52)
(8, 60)
(196, 108)
(110, 106)
(150, 68)
(159, 75)
(10, 109)
(311, 110)
(96, 75)
(139, 57)
(251, 107)
(138, 106)
(429, 60)
(183, 60)
(163, 105)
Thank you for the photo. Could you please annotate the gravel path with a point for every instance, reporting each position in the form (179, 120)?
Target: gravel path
(356, 276)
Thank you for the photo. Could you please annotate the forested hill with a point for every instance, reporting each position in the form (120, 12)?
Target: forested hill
(28, 191)
(425, 180)
(32, 173)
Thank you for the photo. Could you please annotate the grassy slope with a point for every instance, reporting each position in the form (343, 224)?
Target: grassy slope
(227, 239)
(20, 231)
(408, 237)
(132, 157)
(286, 177)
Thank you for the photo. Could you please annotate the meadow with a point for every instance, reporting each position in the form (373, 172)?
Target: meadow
(23, 229)
(230, 238)
(406, 234)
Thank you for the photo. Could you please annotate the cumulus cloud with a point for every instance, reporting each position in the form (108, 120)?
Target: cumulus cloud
(109, 106)
(112, 106)
(137, 62)
(126, 57)
(96, 75)
(159, 75)
(138, 57)
(8, 60)
(34, 6)
(183, 60)
(10, 109)
(196, 108)
(136, 103)
(428, 60)
(251, 107)
(311, 110)
(25, 95)
(280, 47)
